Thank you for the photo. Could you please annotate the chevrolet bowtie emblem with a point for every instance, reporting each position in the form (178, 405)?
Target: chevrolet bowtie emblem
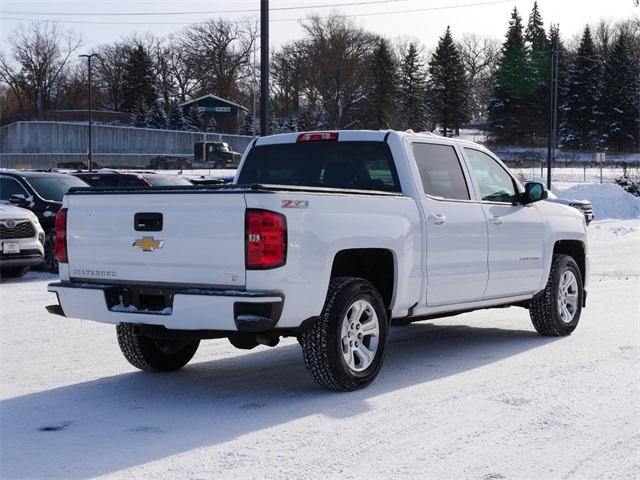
(148, 244)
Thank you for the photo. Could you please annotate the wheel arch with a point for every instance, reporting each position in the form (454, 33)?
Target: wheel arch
(373, 264)
(576, 250)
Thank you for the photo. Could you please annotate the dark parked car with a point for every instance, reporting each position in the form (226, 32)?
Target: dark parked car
(40, 192)
(114, 178)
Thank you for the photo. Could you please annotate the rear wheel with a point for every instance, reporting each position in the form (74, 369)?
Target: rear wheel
(557, 311)
(345, 348)
(153, 354)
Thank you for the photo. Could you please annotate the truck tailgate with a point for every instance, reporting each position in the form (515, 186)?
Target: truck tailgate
(140, 236)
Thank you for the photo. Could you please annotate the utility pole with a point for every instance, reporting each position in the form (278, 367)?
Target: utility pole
(264, 68)
(90, 150)
(553, 108)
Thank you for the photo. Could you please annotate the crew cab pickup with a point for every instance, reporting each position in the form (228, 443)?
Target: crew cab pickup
(327, 237)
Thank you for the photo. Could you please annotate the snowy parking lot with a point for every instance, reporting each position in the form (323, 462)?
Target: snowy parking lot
(477, 396)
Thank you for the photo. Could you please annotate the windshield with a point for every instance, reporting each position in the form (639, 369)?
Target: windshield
(54, 187)
(353, 165)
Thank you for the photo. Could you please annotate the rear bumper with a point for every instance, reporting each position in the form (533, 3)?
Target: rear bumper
(180, 309)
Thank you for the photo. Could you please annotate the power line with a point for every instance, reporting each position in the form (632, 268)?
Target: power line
(100, 22)
(249, 10)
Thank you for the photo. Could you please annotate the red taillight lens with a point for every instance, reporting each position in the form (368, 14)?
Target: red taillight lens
(318, 137)
(61, 236)
(266, 239)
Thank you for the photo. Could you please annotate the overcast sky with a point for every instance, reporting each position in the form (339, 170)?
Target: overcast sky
(103, 22)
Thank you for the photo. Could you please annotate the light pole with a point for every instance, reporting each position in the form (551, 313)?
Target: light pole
(89, 152)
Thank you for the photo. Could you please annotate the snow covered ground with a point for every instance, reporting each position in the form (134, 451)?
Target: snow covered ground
(478, 396)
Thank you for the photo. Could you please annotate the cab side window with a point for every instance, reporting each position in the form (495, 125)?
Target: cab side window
(496, 185)
(440, 171)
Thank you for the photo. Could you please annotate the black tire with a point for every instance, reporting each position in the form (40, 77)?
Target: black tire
(50, 261)
(154, 355)
(218, 165)
(557, 311)
(345, 348)
(13, 272)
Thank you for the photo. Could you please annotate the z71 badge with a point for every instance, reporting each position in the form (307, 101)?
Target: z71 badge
(295, 204)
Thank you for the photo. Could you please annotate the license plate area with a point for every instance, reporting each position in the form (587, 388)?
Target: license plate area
(10, 247)
(140, 300)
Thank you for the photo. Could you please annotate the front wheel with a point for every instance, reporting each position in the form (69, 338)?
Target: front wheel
(345, 348)
(50, 262)
(153, 354)
(557, 311)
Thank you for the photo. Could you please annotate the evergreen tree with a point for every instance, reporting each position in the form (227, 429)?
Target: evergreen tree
(619, 97)
(247, 125)
(194, 119)
(382, 91)
(539, 50)
(508, 108)
(138, 91)
(412, 92)
(211, 124)
(175, 117)
(274, 127)
(448, 86)
(290, 124)
(156, 117)
(578, 127)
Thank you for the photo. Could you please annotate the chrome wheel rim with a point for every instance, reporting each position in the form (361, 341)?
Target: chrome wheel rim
(360, 336)
(568, 294)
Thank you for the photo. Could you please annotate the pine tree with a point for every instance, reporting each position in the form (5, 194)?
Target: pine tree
(156, 117)
(619, 97)
(448, 86)
(382, 91)
(508, 108)
(539, 50)
(175, 117)
(247, 125)
(194, 119)
(211, 124)
(578, 128)
(412, 92)
(138, 91)
(290, 124)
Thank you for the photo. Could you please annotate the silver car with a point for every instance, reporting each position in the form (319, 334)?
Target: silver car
(22, 241)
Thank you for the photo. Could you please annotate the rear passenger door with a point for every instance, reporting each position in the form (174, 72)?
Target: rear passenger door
(456, 228)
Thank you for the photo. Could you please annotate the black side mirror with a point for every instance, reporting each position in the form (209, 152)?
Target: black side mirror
(534, 192)
(19, 200)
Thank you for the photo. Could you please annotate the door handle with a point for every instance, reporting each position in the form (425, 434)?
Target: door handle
(436, 219)
(496, 220)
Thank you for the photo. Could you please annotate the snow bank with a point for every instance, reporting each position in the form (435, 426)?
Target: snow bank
(609, 200)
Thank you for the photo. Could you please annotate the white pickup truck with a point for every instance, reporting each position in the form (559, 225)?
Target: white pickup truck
(324, 236)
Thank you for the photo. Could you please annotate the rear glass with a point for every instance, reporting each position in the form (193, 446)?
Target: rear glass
(353, 165)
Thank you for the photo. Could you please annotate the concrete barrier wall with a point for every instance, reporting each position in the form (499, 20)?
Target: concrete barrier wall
(45, 144)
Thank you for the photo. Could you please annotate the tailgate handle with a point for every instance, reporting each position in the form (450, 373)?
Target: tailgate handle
(147, 222)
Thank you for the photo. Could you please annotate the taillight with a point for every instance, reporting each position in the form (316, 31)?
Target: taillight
(318, 137)
(61, 236)
(266, 239)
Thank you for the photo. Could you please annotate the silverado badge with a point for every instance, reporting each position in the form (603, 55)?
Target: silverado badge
(148, 244)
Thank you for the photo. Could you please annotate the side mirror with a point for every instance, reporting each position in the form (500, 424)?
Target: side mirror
(19, 200)
(534, 192)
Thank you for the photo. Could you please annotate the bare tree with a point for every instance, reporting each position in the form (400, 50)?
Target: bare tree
(479, 56)
(218, 51)
(338, 54)
(40, 56)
